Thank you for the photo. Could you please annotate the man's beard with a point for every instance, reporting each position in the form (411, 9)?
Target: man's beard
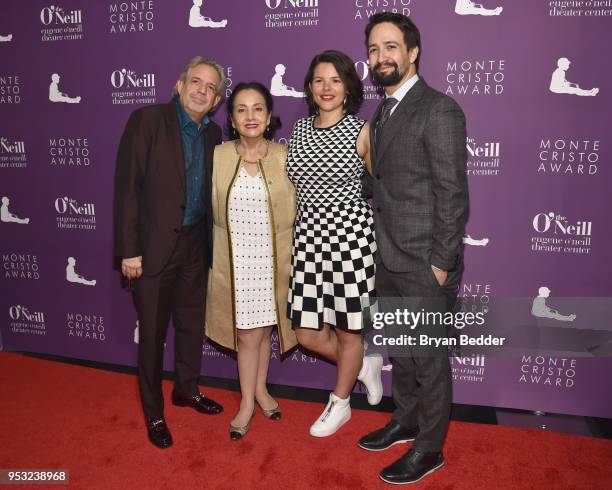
(389, 79)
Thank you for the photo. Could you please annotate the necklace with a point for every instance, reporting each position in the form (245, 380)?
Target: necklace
(236, 143)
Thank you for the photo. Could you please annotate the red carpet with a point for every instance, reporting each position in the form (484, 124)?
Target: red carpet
(55, 415)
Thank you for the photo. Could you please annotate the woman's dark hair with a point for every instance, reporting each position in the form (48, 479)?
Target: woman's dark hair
(346, 70)
(412, 36)
(275, 122)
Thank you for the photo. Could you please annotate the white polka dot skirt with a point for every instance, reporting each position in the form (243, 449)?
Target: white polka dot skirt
(252, 252)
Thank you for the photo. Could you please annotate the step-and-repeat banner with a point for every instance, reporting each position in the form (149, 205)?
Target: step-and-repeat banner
(537, 97)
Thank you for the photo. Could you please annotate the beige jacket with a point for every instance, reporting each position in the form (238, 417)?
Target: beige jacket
(220, 310)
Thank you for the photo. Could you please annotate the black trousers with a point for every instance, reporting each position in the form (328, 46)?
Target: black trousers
(178, 292)
(421, 379)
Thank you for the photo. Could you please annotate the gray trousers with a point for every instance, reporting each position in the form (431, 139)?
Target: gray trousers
(421, 378)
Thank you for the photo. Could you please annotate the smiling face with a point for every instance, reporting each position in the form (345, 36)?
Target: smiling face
(198, 93)
(328, 89)
(250, 116)
(391, 61)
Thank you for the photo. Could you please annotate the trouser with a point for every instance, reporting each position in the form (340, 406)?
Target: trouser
(421, 377)
(178, 292)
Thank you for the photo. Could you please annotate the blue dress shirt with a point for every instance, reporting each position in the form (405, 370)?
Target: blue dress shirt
(193, 150)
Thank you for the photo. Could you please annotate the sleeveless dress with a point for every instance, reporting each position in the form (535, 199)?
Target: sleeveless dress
(332, 266)
(252, 252)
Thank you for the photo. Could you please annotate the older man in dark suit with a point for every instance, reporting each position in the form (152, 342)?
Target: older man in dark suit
(420, 191)
(163, 233)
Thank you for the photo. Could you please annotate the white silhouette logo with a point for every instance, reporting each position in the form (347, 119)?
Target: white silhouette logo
(196, 19)
(482, 242)
(6, 39)
(7, 217)
(137, 333)
(72, 276)
(541, 310)
(560, 85)
(467, 7)
(278, 88)
(56, 96)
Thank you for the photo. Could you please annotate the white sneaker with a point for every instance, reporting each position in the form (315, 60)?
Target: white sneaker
(337, 413)
(370, 376)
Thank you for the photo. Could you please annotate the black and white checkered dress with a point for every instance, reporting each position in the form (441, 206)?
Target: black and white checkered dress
(333, 248)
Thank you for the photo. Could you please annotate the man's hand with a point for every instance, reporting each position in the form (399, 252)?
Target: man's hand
(440, 275)
(132, 267)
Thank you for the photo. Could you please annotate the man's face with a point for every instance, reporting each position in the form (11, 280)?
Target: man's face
(390, 59)
(198, 94)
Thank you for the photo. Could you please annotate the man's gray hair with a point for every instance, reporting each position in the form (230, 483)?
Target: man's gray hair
(199, 60)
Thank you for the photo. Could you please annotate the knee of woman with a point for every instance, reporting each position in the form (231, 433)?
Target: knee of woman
(306, 339)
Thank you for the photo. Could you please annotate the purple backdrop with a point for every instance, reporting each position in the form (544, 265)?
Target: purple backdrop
(531, 152)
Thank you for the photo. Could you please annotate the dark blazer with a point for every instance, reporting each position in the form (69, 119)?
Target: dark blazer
(150, 190)
(419, 182)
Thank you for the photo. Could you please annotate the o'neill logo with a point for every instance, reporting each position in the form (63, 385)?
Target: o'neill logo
(25, 321)
(557, 234)
(370, 91)
(12, 154)
(129, 79)
(57, 15)
(68, 205)
(543, 222)
(274, 4)
(66, 25)
(292, 13)
(75, 215)
(18, 312)
(132, 88)
(13, 147)
(483, 158)
(468, 369)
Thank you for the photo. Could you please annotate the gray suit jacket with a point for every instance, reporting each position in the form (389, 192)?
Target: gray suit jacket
(419, 182)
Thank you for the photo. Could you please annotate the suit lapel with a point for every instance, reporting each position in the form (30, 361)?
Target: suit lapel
(209, 149)
(401, 116)
(174, 132)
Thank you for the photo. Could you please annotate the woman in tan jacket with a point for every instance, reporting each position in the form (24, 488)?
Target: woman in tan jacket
(253, 212)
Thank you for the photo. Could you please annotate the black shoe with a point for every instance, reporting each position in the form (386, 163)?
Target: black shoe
(198, 402)
(411, 467)
(384, 438)
(159, 434)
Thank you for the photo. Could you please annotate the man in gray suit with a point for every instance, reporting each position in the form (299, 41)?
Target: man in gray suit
(420, 192)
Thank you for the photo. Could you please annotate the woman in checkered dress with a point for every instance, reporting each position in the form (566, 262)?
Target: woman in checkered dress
(332, 270)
